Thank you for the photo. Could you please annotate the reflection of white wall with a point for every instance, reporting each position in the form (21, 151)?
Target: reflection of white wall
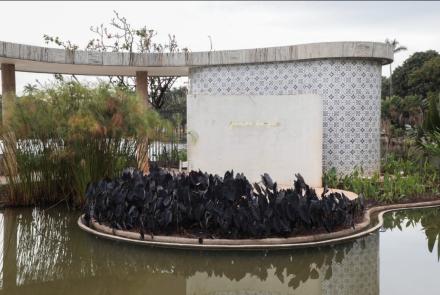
(276, 134)
(357, 273)
(202, 284)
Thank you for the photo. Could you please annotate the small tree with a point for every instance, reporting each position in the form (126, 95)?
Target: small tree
(396, 49)
(402, 85)
(120, 36)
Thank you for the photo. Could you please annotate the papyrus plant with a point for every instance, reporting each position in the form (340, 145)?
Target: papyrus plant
(67, 135)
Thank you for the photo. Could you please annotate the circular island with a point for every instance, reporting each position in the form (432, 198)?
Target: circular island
(190, 211)
(371, 222)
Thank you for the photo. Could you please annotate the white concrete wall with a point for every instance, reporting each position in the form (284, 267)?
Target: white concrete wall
(350, 92)
(277, 134)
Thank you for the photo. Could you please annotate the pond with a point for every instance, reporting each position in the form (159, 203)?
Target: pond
(44, 252)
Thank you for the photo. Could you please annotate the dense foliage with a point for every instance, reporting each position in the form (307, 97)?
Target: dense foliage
(401, 180)
(66, 135)
(415, 82)
(174, 106)
(405, 76)
(411, 118)
(207, 205)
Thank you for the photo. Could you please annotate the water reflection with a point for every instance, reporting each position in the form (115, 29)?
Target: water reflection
(428, 219)
(407, 265)
(48, 254)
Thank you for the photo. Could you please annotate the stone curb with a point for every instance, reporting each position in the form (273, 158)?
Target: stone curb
(374, 214)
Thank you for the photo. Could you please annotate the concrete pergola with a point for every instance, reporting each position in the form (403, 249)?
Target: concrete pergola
(345, 75)
(28, 58)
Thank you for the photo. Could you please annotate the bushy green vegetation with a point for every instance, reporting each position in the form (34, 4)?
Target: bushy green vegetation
(416, 83)
(172, 154)
(432, 144)
(67, 135)
(411, 134)
(401, 180)
(405, 77)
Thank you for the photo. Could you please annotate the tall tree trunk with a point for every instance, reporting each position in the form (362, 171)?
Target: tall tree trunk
(391, 82)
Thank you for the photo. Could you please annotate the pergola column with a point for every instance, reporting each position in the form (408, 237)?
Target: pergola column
(8, 92)
(142, 86)
(142, 149)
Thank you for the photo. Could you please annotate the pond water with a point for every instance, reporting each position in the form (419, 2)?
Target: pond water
(44, 252)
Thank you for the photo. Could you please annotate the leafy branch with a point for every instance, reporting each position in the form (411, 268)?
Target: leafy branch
(121, 36)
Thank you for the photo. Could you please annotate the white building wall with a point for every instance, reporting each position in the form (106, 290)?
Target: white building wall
(276, 134)
(350, 92)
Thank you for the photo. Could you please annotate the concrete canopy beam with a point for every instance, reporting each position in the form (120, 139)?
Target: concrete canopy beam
(29, 58)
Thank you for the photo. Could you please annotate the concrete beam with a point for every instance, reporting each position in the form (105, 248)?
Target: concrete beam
(29, 58)
(8, 92)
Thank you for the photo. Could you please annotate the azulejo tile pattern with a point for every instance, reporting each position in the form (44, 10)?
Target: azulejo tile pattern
(350, 89)
(358, 272)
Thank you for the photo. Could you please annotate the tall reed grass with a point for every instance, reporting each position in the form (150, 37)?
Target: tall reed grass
(64, 136)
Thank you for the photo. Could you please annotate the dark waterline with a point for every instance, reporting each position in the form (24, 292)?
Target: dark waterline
(46, 253)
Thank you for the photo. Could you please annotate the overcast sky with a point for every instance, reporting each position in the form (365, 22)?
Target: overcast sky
(232, 25)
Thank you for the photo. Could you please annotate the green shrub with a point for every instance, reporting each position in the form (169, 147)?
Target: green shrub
(429, 136)
(431, 144)
(401, 179)
(65, 136)
(432, 120)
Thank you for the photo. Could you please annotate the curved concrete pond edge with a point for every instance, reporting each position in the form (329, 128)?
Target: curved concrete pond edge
(372, 221)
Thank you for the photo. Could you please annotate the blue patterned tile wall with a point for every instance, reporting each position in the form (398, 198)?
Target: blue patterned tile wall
(350, 89)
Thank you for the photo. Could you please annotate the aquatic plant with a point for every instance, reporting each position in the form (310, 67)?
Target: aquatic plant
(66, 135)
(400, 179)
(206, 205)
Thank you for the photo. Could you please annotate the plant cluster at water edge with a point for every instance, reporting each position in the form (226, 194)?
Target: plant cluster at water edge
(401, 180)
(208, 206)
(65, 136)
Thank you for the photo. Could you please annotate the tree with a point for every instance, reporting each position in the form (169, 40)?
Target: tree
(401, 75)
(403, 111)
(396, 49)
(385, 87)
(426, 79)
(120, 36)
(174, 108)
(432, 121)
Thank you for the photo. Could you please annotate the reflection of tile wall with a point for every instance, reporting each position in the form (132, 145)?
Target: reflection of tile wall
(358, 273)
(351, 98)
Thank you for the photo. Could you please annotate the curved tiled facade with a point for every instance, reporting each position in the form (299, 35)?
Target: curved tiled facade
(350, 90)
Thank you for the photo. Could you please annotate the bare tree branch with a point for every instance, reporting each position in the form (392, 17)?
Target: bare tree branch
(120, 36)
